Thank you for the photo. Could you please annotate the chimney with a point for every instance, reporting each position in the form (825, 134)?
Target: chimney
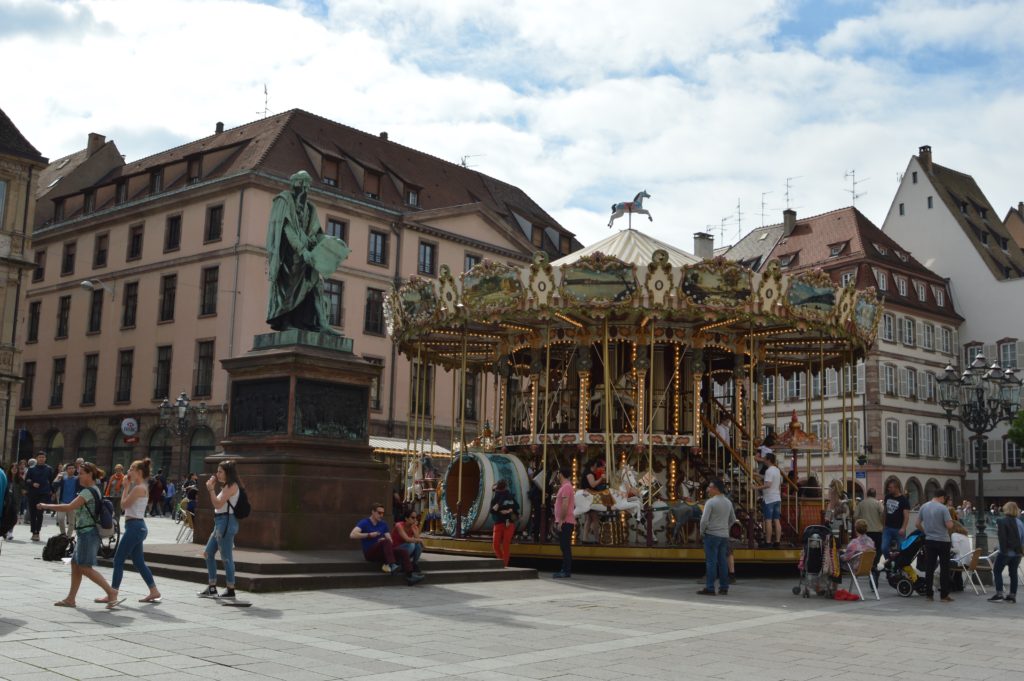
(703, 245)
(95, 143)
(924, 155)
(1020, 207)
(384, 135)
(219, 128)
(788, 221)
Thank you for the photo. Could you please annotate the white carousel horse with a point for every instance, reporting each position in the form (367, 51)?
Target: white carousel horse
(622, 392)
(647, 486)
(634, 206)
(622, 501)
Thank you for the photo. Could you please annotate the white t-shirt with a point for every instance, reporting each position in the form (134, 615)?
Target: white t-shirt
(961, 545)
(773, 478)
(723, 432)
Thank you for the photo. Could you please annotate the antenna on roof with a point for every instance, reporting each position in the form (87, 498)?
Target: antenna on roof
(464, 161)
(852, 191)
(763, 206)
(739, 219)
(266, 102)
(789, 190)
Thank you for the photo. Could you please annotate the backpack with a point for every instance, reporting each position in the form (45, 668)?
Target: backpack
(105, 521)
(242, 509)
(57, 547)
(8, 513)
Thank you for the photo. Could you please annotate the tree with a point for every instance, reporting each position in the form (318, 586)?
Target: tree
(1016, 433)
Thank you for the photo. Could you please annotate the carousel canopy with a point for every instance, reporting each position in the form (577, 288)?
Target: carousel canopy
(399, 445)
(631, 246)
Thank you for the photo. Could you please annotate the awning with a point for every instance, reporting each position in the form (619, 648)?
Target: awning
(397, 445)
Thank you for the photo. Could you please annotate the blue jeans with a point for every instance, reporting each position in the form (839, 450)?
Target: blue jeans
(225, 527)
(415, 551)
(1006, 560)
(716, 559)
(889, 535)
(130, 546)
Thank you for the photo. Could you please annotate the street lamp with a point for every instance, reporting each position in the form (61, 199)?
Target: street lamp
(179, 416)
(980, 398)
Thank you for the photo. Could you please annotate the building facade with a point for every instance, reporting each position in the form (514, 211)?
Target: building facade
(896, 422)
(945, 219)
(20, 166)
(148, 277)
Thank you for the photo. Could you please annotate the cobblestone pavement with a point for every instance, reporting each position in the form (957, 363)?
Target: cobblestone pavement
(593, 627)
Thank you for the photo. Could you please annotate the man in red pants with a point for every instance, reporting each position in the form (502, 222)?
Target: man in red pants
(504, 514)
(378, 548)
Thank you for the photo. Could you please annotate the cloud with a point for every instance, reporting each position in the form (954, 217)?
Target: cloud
(46, 19)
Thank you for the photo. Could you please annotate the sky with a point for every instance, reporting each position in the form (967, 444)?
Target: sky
(708, 106)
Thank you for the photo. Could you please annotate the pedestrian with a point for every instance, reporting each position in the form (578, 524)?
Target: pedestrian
(897, 516)
(225, 527)
(133, 500)
(15, 483)
(67, 488)
(504, 512)
(156, 495)
(715, 522)
(1010, 541)
(38, 482)
(406, 535)
(870, 511)
(565, 519)
(934, 520)
(378, 546)
(169, 491)
(772, 489)
(86, 506)
(114, 488)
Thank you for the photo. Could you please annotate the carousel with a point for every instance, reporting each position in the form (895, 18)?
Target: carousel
(644, 370)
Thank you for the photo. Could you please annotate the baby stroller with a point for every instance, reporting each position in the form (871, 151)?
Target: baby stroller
(819, 563)
(899, 572)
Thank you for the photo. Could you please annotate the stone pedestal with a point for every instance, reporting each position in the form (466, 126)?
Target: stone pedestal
(298, 420)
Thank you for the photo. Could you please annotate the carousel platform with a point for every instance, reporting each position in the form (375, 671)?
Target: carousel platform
(481, 546)
(262, 571)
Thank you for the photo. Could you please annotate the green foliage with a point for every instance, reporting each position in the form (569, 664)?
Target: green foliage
(1017, 429)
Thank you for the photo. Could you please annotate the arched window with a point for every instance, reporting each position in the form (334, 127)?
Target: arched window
(87, 445)
(930, 488)
(914, 494)
(121, 453)
(55, 449)
(26, 447)
(953, 492)
(160, 450)
(202, 446)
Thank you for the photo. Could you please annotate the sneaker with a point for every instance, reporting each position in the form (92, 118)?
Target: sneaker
(1011, 599)
(385, 568)
(395, 568)
(946, 599)
(706, 592)
(209, 592)
(35, 537)
(414, 579)
(996, 598)
(560, 575)
(228, 593)
(723, 592)
(775, 545)
(732, 578)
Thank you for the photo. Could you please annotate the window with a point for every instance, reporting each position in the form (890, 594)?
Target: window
(913, 177)
(63, 314)
(972, 352)
(375, 384)
(940, 295)
(373, 315)
(378, 249)
(172, 233)
(901, 285)
(946, 341)
(99, 250)
(329, 171)
(421, 394)
(162, 386)
(195, 169)
(121, 192)
(412, 196)
(911, 383)
(28, 384)
(930, 441)
(565, 244)
(538, 237)
(889, 373)
(471, 391)
(931, 391)
(930, 202)
(214, 224)
(984, 238)
(882, 279)
(135, 242)
(130, 304)
(34, 310)
(815, 385)
(58, 210)
(902, 210)
(979, 453)
(40, 271)
(1011, 454)
(954, 442)
(57, 382)
(470, 261)
(795, 386)
(337, 228)
(335, 312)
(922, 292)
(769, 388)
(125, 362)
(427, 262)
(908, 331)
(156, 181)
(852, 434)
(88, 201)
(168, 289)
(912, 439)
(208, 291)
(95, 311)
(1008, 355)
(928, 336)
(892, 437)
(92, 369)
(888, 327)
(371, 184)
(67, 259)
(836, 249)
(831, 382)
(204, 369)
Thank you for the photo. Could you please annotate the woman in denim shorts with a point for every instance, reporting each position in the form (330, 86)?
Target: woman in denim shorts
(87, 516)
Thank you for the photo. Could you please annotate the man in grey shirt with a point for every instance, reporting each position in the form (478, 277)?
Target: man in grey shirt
(935, 521)
(715, 522)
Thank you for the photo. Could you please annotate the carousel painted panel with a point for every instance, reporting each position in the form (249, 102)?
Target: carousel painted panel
(469, 487)
(417, 301)
(659, 282)
(867, 311)
(598, 280)
(541, 281)
(492, 288)
(448, 291)
(717, 283)
(811, 295)
(770, 287)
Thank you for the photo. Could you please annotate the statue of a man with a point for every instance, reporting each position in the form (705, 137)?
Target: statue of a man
(299, 255)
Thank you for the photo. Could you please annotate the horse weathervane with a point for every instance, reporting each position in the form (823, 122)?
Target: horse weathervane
(630, 207)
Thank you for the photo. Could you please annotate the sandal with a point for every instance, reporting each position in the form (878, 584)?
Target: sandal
(101, 600)
(65, 604)
(113, 604)
(151, 599)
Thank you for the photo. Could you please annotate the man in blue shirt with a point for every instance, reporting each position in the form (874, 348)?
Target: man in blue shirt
(378, 547)
(37, 481)
(67, 490)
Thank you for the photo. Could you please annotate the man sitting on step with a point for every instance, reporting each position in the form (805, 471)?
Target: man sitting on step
(379, 548)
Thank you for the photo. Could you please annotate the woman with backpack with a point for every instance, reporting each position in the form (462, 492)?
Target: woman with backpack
(134, 497)
(225, 527)
(86, 506)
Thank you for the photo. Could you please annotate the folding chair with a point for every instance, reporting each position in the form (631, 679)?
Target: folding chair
(867, 561)
(990, 564)
(969, 567)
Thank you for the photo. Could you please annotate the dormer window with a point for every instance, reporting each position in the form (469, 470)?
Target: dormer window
(89, 201)
(901, 255)
(847, 278)
(922, 293)
(787, 260)
(940, 295)
(882, 279)
(329, 171)
(121, 192)
(412, 196)
(901, 285)
(882, 250)
(371, 184)
(156, 181)
(195, 169)
(984, 238)
(834, 250)
(963, 207)
(1004, 243)
(983, 213)
(58, 209)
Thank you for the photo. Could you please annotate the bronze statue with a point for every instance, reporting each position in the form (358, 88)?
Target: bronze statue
(299, 255)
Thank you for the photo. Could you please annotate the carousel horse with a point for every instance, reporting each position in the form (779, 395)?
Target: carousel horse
(646, 488)
(622, 392)
(634, 206)
(615, 498)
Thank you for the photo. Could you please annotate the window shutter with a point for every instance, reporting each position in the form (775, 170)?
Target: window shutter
(991, 354)
(833, 429)
(919, 331)
(861, 374)
(904, 380)
(1020, 354)
(922, 385)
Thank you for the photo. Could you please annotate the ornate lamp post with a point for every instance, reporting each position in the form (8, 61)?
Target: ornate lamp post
(980, 398)
(180, 416)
